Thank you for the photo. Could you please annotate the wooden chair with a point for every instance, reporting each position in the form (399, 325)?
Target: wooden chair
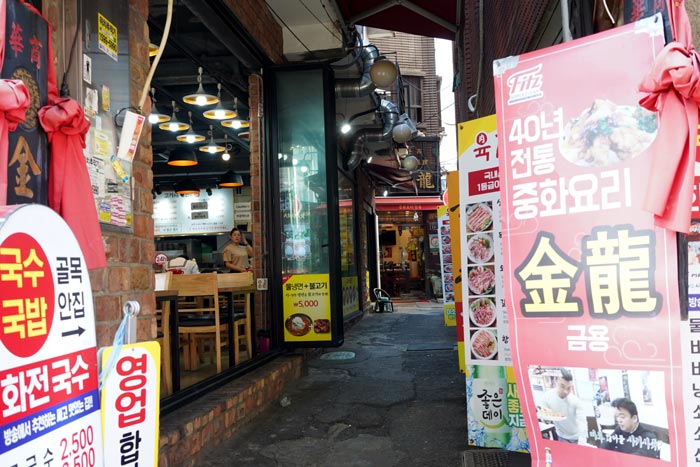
(240, 307)
(162, 283)
(200, 321)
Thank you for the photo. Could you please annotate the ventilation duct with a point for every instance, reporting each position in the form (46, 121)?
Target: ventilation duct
(390, 115)
(353, 87)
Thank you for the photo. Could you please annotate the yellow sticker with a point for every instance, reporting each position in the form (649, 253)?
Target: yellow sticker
(107, 37)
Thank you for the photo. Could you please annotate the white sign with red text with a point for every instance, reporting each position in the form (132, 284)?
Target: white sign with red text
(49, 401)
(131, 398)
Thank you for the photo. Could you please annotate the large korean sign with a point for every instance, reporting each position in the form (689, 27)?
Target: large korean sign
(591, 282)
(131, 403)
(49, 401)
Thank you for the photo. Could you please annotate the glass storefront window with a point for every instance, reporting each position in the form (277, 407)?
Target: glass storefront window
(348, 251)
(302, 169)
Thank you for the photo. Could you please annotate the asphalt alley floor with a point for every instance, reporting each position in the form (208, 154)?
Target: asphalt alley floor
(392, 395)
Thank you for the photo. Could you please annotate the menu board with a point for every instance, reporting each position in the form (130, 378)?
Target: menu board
(591, 280)
(485, 319)
(193, 214)
(444, 242)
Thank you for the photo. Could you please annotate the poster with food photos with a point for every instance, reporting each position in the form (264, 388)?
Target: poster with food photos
(486, 332)
(590, 279)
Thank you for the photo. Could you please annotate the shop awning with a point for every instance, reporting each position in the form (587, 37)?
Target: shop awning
(408, 203)
(422, 17)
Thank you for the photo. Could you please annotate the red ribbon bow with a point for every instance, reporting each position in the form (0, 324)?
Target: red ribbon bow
(673, 91)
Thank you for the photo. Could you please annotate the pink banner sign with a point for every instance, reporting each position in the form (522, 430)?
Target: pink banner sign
(590, 283)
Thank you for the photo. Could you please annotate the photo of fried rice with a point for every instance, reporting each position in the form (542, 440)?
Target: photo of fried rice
(479, 217)
(606, 134)
(483, 344)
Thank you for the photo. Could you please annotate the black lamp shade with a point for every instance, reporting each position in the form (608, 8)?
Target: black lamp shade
(182, 158)
(186, 187)
(231, 179)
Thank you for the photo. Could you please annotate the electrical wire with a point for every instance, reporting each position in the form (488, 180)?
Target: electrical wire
(333, 33)
(154, 65)
(292, 32)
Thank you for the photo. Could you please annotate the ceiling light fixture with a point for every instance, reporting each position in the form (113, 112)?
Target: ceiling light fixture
(209, 192)
(236, 123)
(220, 112)
(173, 124)
(182, 158)
(190, 137)
(230, 180)
(244, 135)
(211, 147)
(152, 50)
(226, 156)
(200, 97)
(155, 116)
(186, 187)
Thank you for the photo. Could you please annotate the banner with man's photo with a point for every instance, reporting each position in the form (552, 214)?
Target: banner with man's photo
(590, 283)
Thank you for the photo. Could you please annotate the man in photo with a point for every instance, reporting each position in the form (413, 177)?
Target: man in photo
(630, 436)
(561, 405)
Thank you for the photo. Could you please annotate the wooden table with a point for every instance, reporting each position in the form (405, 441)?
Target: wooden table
(231, 291)
(167, 299)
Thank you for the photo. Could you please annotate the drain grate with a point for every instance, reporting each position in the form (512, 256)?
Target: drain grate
(338, 356)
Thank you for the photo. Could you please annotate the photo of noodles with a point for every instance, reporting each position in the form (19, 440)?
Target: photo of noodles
(606, 134)
(483, 344)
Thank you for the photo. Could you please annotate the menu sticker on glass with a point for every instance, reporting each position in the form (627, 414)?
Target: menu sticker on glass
(307, 304)
(591, 281)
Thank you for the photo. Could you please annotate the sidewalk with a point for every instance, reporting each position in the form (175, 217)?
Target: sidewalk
(391, 395)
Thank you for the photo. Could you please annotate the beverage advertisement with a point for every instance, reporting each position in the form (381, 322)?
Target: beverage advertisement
(591, 282)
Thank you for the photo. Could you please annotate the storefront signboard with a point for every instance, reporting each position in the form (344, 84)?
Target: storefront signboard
(131, 404)
(486, 331)
(454, 259)
(591, 282)
(444, 244)
(307, 308)
(49, 399)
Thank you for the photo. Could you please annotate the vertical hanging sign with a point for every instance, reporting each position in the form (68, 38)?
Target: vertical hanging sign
(49, 400)
(592, 282)
(26, 59)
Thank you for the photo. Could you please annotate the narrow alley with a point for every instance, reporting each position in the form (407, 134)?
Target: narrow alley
(391, 395)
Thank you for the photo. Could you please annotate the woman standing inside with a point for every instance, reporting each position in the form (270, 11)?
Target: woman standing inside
(237, 253)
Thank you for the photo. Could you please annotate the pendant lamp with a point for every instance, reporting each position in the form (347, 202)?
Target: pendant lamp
(182, 158)
(211, 147)
(156, 116)
(200, 96)
(231, 179)
(174, 124)
(186, 187)
(220, 112)
(190, 137)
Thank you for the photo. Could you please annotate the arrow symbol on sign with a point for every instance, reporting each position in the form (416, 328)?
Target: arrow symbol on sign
(78, 331)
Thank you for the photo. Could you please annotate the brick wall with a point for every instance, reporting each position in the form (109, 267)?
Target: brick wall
(262, 26)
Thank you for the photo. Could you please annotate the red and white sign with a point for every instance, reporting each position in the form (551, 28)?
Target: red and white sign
(160, 260)
(131, 402)
(591, 284)
(49, 401)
